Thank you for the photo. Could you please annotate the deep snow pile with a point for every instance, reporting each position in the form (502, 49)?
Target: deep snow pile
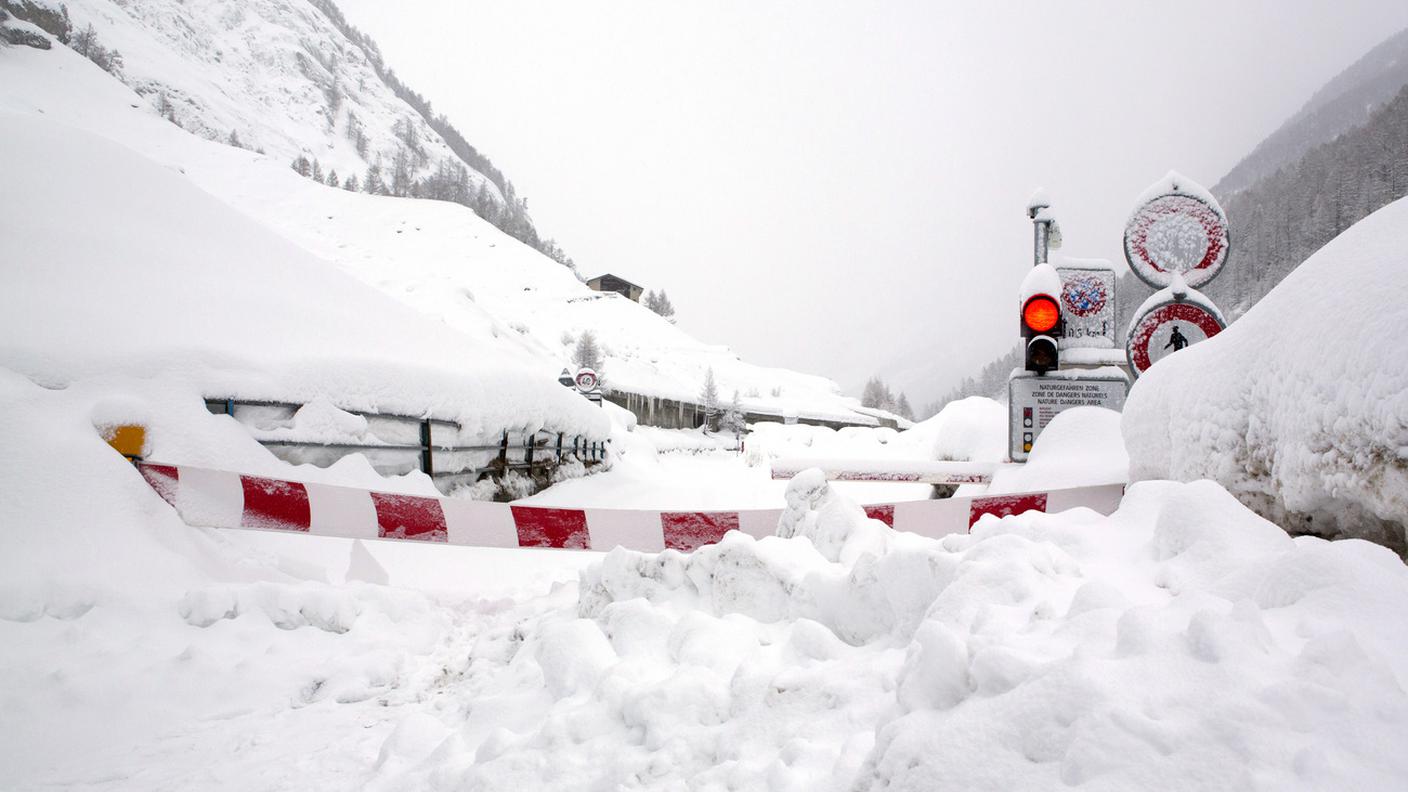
(116, 265)
(140, 653)
(1300, 408)
(1183, 643)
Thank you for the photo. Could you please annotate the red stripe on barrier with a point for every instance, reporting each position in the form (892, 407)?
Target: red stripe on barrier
(1006, 505)
(685, 531)
(274, 505)
(885, 513)
(409, 517)
(163, 479)
(563, 528)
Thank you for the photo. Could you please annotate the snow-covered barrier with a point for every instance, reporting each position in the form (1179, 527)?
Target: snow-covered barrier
(224, 499)
(1300, 408)
(910, 471)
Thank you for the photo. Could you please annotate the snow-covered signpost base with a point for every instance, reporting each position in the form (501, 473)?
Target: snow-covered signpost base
(1033, 401)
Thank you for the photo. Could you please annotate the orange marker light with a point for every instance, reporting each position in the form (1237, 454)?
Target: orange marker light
(1041, 313)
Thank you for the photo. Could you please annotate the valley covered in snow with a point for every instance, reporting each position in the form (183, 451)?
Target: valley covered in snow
(1182, 641)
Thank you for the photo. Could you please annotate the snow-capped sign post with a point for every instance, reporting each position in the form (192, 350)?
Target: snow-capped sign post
(1176, 240)
(1177, 228)
(1053, 305)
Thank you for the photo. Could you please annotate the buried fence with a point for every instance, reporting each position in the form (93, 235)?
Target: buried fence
(404, 443)
(223, 499)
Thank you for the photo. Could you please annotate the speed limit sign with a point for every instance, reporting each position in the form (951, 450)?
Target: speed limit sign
(586, 380)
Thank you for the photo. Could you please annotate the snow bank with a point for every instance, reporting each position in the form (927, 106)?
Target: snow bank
(1300, 408)
(1081, 447)
(435, 257)
(1182, 643)
(115, 265)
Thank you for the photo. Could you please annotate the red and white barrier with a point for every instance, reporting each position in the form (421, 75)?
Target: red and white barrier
(891, 470)
(222, 499)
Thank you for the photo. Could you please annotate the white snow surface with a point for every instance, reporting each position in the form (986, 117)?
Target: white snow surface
(436, 257)
(140, 274)
(264, 69)
(1300, 408)
(1175, 183)
(1181, 643)
(1041, 279)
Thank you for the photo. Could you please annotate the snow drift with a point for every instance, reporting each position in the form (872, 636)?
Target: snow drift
(1182, 643)
(1300, 408)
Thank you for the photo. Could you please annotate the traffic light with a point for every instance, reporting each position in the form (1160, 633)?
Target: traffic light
(1041, 326)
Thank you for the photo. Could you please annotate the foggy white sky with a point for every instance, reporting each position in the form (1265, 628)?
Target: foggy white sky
(840, 187)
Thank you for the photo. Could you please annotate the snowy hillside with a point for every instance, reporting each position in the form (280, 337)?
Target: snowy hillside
(276, 73)
(291, 78)
(435, 256)
(1345, 102)
(1300, 408)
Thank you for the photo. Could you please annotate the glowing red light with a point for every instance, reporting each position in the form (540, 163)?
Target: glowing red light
(1041, 313)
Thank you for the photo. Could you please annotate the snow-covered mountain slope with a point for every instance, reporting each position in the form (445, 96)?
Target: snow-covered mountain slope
(276, 73)
(1343, 103)
(118, 265)
(435, 256)
(1300, 408)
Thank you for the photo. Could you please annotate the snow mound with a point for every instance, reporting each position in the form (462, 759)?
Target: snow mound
(1081, 447)
(1180, 640)
(1300, 409)
(118, 266)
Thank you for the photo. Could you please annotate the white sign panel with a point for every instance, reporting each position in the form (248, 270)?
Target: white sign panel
(1033, 401)
(1088, 306)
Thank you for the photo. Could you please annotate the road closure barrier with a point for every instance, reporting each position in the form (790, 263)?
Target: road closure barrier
(223, 499)
(889, 470)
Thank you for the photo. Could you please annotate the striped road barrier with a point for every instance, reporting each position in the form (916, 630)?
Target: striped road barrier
(223, 499)
(899, 471)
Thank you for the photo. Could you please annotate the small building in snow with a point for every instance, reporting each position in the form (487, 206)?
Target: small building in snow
(612, 283)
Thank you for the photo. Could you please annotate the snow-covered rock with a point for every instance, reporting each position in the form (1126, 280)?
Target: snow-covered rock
(1300, 408)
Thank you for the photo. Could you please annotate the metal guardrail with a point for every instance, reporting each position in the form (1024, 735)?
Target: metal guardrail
(512, 451)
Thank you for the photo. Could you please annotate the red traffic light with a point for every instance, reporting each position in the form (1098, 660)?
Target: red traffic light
(1041, 314)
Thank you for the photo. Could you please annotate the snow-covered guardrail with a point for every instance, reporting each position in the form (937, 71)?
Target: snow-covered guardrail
(223, 499)
(892, 470)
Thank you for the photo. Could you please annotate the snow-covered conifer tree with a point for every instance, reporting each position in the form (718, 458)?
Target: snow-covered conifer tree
(709, 399)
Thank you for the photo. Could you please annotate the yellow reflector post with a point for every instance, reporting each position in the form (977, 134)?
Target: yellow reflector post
(130, 440)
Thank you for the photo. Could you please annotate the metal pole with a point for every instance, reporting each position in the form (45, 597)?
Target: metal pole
(427, 452)
(1042, 229)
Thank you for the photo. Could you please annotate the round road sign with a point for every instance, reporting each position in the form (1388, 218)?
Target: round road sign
(1084, 294)
(1176, 232)
(586, 380)
(1167, 328)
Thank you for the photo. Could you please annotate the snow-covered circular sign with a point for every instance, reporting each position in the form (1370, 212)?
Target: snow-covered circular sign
(1084, 295)
(586, 379)
(1178, 228)
(1167, 328)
